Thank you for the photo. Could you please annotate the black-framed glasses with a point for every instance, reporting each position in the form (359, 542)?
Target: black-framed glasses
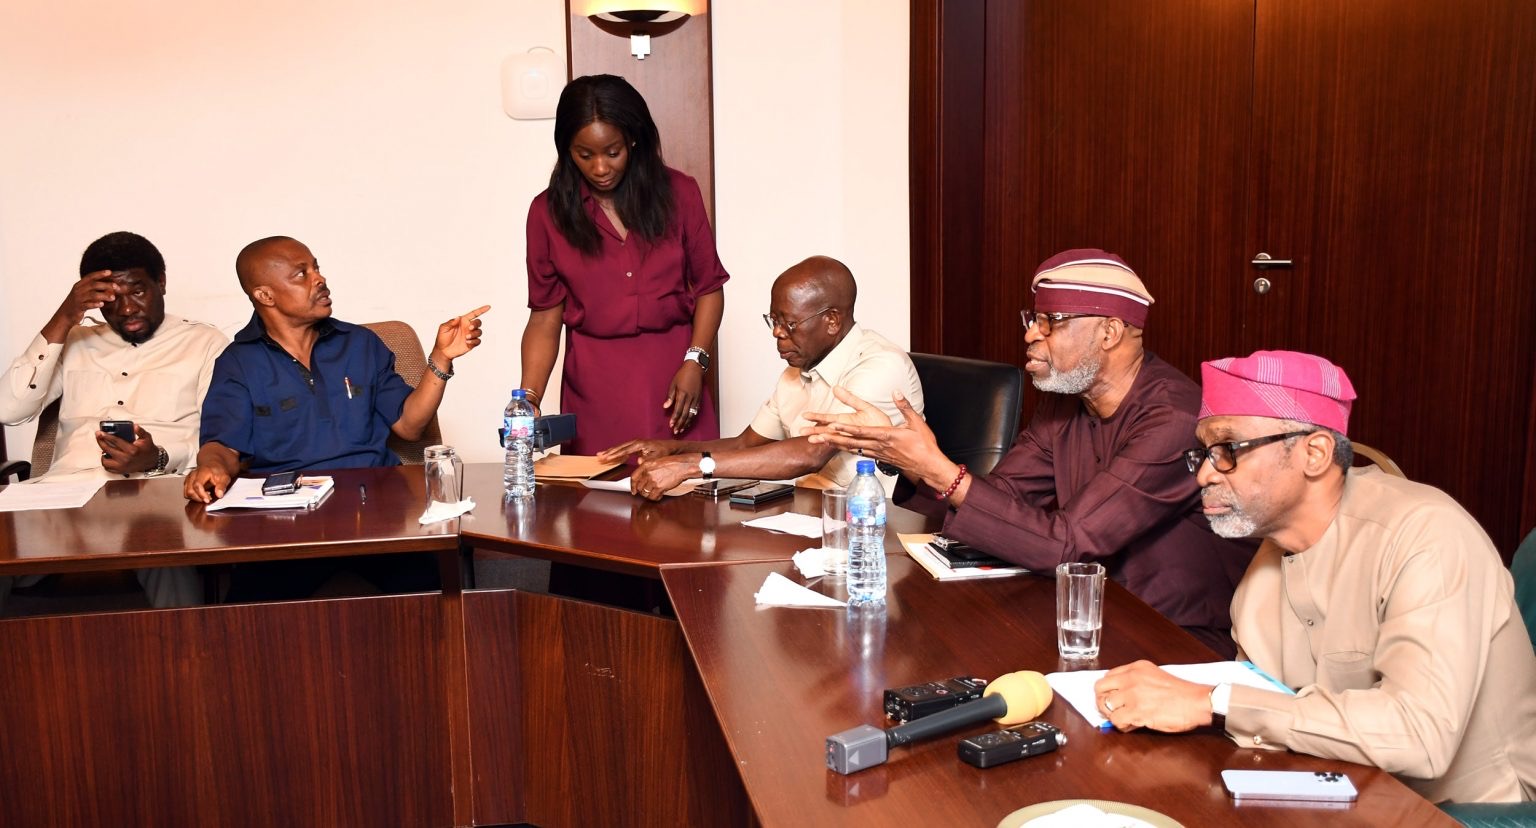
(1223, 456)
(789, 327)
(1046, 321)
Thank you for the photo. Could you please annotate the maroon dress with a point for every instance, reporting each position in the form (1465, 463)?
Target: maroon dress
(1075, 487)
(628, 317)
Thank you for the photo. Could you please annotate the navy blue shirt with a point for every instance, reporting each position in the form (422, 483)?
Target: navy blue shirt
(281, 417)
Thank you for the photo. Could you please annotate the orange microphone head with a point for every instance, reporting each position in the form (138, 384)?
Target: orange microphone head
(1026, 692)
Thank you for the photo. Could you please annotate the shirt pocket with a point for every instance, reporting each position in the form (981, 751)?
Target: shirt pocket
(1348, 670)
(283, 427)
(164, 396)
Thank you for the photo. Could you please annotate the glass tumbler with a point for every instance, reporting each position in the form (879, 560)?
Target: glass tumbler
(445, 475)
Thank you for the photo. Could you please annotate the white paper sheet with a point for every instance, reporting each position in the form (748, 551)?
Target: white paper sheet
(792, 523)
(779, 591)
(245, 493)
(685, 487)
(1077, 686)
(22, 497)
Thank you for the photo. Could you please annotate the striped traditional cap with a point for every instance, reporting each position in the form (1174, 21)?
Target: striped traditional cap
(1091, 281)
(1285, 385)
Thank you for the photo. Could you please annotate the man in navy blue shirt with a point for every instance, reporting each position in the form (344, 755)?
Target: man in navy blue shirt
(298, 390)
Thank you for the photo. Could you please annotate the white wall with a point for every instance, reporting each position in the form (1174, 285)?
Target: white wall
(810, 158)
(372, 131)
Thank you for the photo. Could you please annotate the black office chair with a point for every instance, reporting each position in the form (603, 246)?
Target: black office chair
(19, 469)
(972, 406)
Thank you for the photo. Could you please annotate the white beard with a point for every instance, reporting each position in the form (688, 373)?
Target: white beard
(1233, 524)
(1075, 381)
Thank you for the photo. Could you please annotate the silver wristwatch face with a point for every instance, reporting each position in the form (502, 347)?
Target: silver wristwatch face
(707, 466)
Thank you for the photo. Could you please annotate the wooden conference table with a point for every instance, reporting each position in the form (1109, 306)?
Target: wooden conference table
(497, 706)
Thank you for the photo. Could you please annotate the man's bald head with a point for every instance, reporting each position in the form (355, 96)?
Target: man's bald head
(282, 278)
(822, 281)
(249, 264)
(812, 309)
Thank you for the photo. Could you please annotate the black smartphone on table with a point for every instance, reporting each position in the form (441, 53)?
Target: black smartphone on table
(761, 493)
(721, 486)
(960, 556)
(280, 484)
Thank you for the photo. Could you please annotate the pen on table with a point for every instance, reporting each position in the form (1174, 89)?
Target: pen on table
(347, 381)
(362, 493)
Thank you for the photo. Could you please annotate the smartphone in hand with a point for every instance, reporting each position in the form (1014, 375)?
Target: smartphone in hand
(121, 429)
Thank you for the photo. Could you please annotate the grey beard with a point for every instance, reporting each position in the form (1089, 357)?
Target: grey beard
(1233, 524)
(1075, 381)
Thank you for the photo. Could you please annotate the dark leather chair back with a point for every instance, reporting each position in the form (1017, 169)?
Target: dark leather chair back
(972, 406)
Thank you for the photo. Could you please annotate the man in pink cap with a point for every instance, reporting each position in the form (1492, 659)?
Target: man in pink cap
(1379, 600)
(1098, 474)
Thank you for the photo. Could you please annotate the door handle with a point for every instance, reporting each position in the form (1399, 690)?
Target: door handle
(1264, 262)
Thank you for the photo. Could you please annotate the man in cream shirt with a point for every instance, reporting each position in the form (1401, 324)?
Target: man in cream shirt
(143, 365)
(811, 318)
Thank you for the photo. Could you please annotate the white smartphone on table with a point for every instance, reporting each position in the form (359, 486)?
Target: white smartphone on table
(1306, 786)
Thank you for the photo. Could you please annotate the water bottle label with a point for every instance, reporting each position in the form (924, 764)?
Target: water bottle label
(865, 510)
(518, 427)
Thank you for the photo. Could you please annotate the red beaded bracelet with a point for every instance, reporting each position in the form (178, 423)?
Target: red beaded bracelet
(953, 486)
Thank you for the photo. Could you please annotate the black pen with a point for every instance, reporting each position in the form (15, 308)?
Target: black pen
(362, 493)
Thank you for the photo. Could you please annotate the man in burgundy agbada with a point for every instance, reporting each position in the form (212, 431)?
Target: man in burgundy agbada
(1098, 474)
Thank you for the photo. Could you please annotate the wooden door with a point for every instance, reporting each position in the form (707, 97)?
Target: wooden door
(1394, 151)
(1119, 124)
(1386, 146)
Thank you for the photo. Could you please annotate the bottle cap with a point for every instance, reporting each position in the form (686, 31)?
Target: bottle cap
(865, 467)
(519, 394)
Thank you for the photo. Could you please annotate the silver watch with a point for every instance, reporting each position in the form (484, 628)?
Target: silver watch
(163, 461)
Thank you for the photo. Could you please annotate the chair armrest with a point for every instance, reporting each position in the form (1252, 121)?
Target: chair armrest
(20, 469)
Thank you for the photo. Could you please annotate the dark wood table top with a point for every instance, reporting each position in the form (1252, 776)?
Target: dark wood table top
(147, 523)
(617, 531)
(781, 680)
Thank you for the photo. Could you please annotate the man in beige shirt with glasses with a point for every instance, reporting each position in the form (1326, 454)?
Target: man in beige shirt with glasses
(1380, 601)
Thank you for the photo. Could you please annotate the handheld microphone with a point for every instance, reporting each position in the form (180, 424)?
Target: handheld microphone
(1011, 699)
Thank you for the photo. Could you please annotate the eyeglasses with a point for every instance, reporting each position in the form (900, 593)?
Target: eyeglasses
(1223, 456)
(789, 327)
(1046, 321)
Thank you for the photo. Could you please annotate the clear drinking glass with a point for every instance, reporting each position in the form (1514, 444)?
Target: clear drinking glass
(1079, 609)
(834, 530)
(445, 475)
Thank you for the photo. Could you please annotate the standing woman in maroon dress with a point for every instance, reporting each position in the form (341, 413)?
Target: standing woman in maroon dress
(621, 255)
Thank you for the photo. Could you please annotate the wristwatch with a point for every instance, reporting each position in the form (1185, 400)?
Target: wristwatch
(160, 464)
(707, 466)
(698, 355)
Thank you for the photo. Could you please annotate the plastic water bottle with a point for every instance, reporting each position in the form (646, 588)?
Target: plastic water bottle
(517, 474)
(866, 537)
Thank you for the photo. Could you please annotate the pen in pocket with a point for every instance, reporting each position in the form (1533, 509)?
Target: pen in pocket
(347, 381)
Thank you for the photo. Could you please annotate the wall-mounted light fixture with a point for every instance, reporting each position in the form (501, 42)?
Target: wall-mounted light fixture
(638, 18)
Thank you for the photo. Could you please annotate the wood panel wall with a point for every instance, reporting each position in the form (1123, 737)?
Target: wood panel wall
(677, 80)
(1387, 146)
